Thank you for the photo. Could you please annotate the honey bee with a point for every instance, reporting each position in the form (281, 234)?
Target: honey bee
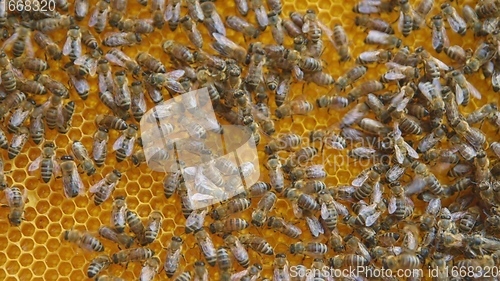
(376, 37)
(98, 264)
(276, 176)
(265, 205)
(173, 14)
(32, 64)
(55, 87)
(228, 225)
(237, 249)
(169, 80)
(132, 255)
(20, 115)
(277, 29)
(47, 162)
(258, 189)
(285, 142)
(37, 127)
(104, 188)
(133, 220)
(73, 45)
(456, 22)
(486, 9)
(313, 249)
(284, 227)
(172, 259)
(241, 25)
(295, 107)
(72, 183)
(111, 122)
(119, 58)
(99, 16)
(18, 141)
(206, 246)
(211, 19)
(374, 24)
(482, 54)
(341, 42)
(20, 41)
(138, 26)
(235, 205)
(8, 77)
(120, 39)
(46, 43)
(81, 8)
(121, 239)
(481, 113)
(15, 200)
(439, 37)
(99, 146)
(185, 276)
(193, 34)
(85, 240)
(456, 53)
(119, 214)
(153, 227)
(275, 6)
(30, 87)
(150, 268)
(378, 56)
(257, 244)
(473, 135)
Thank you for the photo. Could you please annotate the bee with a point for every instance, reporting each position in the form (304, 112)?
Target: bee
(98, 264)
(72, 183)
(20, 41)
(169, 80)
(285, 142)
(378, 56)
(104, 188)
(20, 115)
(276, 176)
(265, 205)
(456, 53)
(228, 48)
(486, 9)
(173, 14)
(481, 113)
(364, 89)
(224, 262)
(258, 189)
(122, 93)
(46, 43)
(120, 39)
(174, 250)
(84, 240)
(206, 246)
(18, 141)
(153, 227)
(139, 26)
(237, 249)
(284, 227)
(119, 214)
(313, 249)
(99, 16)
(15, 200)
(376, 37)
(463, 88)
(456, 22)
(32, 64)
(295, 107)
(132, 255)
(133, 220)
(228, 225)
(47, 162)
(111, 122)
(55, 87)
(439, 37)
(241, 25)
(404, 260)
(482, 54)
(8, 76)
(185, 276)
(150, 268)
(341, 42)
(367, 7)
(82, 155)
(99, 146)
(211, 19)
(119, 58)
(257, 244)
(200, 271)
(193, 34)
(121, 239)
(73, 45)
(351, 76)
(277, 29)
(374, 24)
(81, 8)
(235, 205)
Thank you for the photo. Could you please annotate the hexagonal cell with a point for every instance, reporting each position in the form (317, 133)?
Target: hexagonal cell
(25, 274)
(53, 260)
(42, 206)
(53, 244)
(42, 222)
(56, 199)
(51, 274)
(67, 222)
(27, 244)
(13, 251)
(26, 259)
(144, 196)
(40, 252)
(54, 229)
(132, 188)
(41, 237)
(81, 216)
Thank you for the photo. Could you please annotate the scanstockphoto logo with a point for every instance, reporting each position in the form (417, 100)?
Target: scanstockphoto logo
(183, 135)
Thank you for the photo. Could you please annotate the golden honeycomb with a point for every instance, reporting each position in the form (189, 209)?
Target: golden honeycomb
(35, 250)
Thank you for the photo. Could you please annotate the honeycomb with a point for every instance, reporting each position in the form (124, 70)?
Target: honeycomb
(35, 250)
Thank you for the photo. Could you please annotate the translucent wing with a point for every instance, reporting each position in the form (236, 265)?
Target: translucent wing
(260, 13)
(94, 17)
(130, 146)
(391, 75)
(392, 207)
(410, 150)
(399, 155)
(360, 179)
(370, 220)
(341, 209)
(174, 86)
(99, 148)
(119, 142)
(325, 213)
(175, 75)
(314, 226)
(35, 165)
(459, 94)
(473, 91)
(369, 56)
(456, 23)
(96, 187)
(219, 25)
(67, 48)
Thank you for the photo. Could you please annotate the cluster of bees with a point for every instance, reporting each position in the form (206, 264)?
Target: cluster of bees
(406, 128)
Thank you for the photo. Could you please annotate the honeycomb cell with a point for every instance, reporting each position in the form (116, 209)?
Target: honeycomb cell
(53, 260)
(41, 237)
(26, 259)
(57, 198)
(52, 274)
(42, 206)
(55, 215)
(20, 175)
(132, 188)
(43, 190)
(26, 273)
(13, 252)
(53, 244)
(3, 274)
(81, 201)
(77, 275)
(67, 222)
(54, 229)
(42, 222)
(40, 252)
(144, 196)
(3, 258)
(27, 244)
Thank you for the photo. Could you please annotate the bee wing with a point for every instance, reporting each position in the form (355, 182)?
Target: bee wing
(325, 213)
(219, 25)
(401, 21)
(441, 64)
(410, 151)
(341, 209)
(175, 86)
(360, 179)
(376, 36)
(495, 77)
(459, 94)
(96, 187)
(169, 12)
(392, 75)
(117, 38)
(175, 75)
(67, 46)
(94, 17)
(434, 206)
(297, 73)
(456, 23)
(99, 148)
(370, 220)
(130, 146)
(9, 196)
(57, 169)
(314, 226)
(118, 143)
(261, 15)
(399, 155)
(35, 165)
(114, 59)
(81, 85)
(10, 41)
(392, 65)
(391, 207)
(297, 211)
(446, 40)
(369, 56)
(239, 275)
(474, 92)
(140, 101)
